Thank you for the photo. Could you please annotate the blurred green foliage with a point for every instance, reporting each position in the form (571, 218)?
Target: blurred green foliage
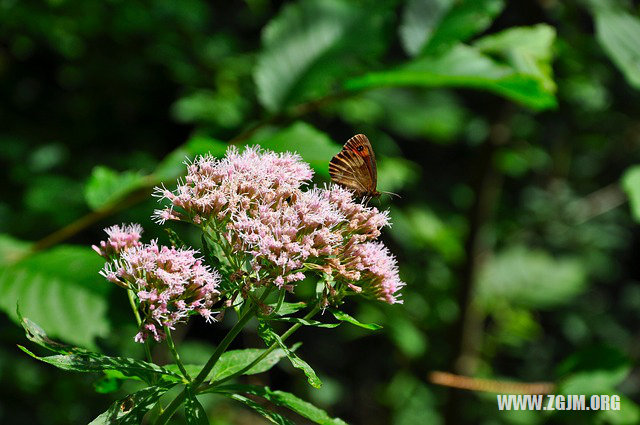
(509, 129)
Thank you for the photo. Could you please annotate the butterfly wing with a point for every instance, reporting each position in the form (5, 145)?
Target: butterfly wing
(354, 167)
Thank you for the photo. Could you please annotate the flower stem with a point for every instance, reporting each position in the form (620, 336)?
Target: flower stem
(261, 357)
(174, 353)
(136, 313)
(195, 383)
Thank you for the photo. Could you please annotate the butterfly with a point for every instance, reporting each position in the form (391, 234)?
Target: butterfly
(354, 167)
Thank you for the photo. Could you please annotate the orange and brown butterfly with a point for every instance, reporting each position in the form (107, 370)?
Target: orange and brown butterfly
(354, 167)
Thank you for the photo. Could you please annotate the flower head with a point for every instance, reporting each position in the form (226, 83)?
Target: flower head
(170, 283)
(120, 238)
(217, 188)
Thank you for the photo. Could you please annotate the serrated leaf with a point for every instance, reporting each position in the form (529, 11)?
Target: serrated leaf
(61, 290)
(344, 317)
(107, 186)
(309, 45)
(529, 278)
(433, 25)
(194, 411)
(289, 308)
(282, 398)
(296, 361)
(271, 416)
(618, 33)
(234, 361)
(131, 409)
(94, 362)
(523, 77)
(631, 185)
(304, 322)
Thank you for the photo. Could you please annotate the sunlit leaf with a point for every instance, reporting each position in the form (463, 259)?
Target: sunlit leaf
(61, 290)
(344, 317)
(106, 186)
(618, 32)
(310, 44)
(433, 25)
(521, 76)
(530, 278)
(595, 370)
(631, 185)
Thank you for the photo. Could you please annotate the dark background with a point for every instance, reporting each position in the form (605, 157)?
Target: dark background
(512, 228)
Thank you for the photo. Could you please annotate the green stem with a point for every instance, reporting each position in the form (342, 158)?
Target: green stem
(174, 353)
(261, 357)
(195, 383)
(136, 313)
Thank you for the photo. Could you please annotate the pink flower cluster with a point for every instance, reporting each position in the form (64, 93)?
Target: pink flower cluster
(120, 238)
(171, 284)
(255, 201)
(215, 189)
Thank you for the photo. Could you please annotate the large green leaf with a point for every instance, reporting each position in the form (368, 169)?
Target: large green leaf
(61, 290)
(516, 72)
(310, 44)
(281, 398)
(131, 409)
(434, 25)
(530, 278)
(106, 186)
(619, 35)
(631, 185)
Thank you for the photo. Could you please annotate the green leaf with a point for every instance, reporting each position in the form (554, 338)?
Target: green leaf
(309, 45)
(234, 361)
(94, 362)
(344, 317)
(313, 145)
(281, 398)
(271, 416)
(194, 411)
(289, 308)
(618, 33)
(631, 185)
(594, 370)
(107, 186)
(434, 25)
(131, 409)
(60, 289)
(172, 166)
(524, 76)
(305, 322)
(530, 278)
(420, 18)
(527, 49)
(298, 363)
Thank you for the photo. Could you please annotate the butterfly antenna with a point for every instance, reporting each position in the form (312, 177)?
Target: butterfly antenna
(390, 194)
